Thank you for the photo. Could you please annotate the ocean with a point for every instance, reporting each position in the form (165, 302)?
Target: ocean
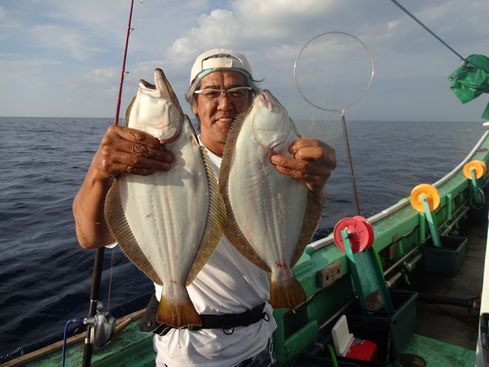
(45, 276)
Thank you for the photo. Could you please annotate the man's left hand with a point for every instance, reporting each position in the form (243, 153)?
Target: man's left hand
(313, 161)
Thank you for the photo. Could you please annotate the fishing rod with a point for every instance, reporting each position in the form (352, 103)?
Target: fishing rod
(123, 69)
(102, 320)
(427, 29)
(465, 87)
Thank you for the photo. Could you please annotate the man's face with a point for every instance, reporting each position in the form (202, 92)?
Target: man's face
(216, 116)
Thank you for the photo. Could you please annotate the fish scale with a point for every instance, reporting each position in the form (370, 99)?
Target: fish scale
(271, 217)
(170, 222)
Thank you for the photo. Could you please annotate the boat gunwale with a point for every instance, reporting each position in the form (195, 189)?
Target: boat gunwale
(75, 339)
(323, 242)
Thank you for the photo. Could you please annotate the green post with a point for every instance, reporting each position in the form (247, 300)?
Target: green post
(474, 184)
(477, 199)
(449, 206)
(370, 277)
(431, 223)
(353, 268)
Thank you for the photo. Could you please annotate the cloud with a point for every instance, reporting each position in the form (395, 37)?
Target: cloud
(247, 23)
(9, 26)
(220, 25)
(66, 40)
(56, 44)
(14, 68)
(277, 19)
(103, 76)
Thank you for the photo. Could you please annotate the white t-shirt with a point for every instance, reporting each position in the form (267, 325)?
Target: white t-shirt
(228, 283)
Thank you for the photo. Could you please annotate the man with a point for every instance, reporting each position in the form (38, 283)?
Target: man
(221, 87)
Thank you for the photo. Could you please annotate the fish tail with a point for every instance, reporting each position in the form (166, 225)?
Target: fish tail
(287, 293)
(178, 315)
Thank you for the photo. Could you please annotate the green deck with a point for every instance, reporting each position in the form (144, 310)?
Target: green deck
(438, 354)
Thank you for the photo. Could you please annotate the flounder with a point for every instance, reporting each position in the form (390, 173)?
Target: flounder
(168, 223)
(271, 217)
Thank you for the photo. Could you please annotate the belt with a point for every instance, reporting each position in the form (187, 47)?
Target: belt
(224, 321)
(229, 321)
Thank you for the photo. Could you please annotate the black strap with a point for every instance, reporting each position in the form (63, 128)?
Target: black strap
(225, 321)
(229, 321)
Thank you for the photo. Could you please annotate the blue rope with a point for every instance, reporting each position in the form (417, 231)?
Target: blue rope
(78, 321)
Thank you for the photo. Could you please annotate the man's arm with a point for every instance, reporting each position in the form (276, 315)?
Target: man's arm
(122, 151)
(313, 163)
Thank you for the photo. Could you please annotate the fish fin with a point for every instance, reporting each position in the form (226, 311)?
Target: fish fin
(117, 223)
(192, 129)
(309, 225)
(232, 229)
(287, 294)
(216, 219)
(128, 111)
(171, 92)
(178, 315)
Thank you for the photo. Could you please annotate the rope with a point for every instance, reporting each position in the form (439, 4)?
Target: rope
(77, 321)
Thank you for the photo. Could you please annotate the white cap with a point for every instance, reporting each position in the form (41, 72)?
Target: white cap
(218, 59)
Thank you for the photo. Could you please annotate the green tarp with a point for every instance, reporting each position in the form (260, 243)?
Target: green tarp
(471, 79)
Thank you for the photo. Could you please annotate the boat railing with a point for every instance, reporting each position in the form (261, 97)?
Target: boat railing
(323, 242)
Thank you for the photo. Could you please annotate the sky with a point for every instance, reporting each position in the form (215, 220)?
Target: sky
(64, 58)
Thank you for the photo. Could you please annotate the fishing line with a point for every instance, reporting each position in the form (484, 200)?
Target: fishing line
(320, 49)
(427, 29)
(109, 290)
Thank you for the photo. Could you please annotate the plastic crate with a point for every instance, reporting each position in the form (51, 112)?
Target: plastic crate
(391, 331)
(446, 259)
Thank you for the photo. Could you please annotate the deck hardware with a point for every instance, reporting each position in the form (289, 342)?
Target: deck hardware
(327, 276)
(475, 170)
(426, 198)
(355, 237)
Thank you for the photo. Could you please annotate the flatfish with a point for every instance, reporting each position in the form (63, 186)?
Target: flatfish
(271, 217)
(168, 223)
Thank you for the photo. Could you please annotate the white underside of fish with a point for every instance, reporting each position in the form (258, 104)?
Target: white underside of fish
(268, 210)
(167, 213)
(167, 223)
(268, 206)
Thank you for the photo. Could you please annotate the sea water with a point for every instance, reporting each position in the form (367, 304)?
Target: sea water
(45, 276)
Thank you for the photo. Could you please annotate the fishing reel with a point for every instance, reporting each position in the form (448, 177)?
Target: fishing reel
(102, 327)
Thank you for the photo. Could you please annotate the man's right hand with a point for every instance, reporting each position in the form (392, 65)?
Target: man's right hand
(122, 151)
(128, 151)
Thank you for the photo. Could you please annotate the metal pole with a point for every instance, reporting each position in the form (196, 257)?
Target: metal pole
(350, 164)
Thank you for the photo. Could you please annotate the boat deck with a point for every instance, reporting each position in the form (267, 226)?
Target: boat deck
(446, 335)
(448, 323)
